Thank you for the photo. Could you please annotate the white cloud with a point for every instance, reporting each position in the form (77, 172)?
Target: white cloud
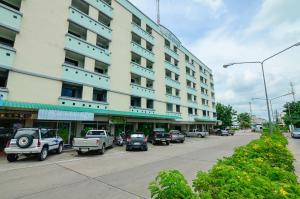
(214, 5)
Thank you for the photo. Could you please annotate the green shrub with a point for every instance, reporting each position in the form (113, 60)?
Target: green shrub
(261, 169)
(171, 185)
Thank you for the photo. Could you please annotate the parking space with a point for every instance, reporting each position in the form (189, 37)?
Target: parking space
(116, 174)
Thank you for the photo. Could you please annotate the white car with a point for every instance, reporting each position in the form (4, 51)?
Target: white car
(94, 140)
(197, 133)
(36, 141)
(296, 133)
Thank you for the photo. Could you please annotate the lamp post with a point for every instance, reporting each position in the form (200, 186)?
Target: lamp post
(263, 73)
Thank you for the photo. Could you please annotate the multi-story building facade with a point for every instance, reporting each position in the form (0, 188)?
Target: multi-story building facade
(99, 64)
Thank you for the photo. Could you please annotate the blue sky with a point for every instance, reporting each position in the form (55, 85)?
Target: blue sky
(224, 31)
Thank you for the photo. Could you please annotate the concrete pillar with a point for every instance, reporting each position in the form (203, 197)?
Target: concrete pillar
(89, 64)
(79, 128)
(143, 81)
(112, 129)
(135, 127)
(93, 13)
(87, 93)
(144, 103)
(143, 62)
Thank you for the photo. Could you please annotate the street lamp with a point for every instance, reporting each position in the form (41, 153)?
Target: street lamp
(263, 73)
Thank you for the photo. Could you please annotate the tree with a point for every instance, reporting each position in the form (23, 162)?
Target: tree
(224, 113)
(292, 113)
(244, 120)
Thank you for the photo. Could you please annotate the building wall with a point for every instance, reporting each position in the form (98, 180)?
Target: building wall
(37, 73)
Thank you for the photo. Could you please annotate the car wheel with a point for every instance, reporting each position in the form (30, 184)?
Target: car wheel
(59, 149)
(12, 157)
(102, 150)
(167, 142)
(127, 149)
(146, 148)
(182, 141)
(79, 152)
(153, 142)
(44, 153)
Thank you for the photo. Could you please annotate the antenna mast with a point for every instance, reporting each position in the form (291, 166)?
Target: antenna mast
(158, 12)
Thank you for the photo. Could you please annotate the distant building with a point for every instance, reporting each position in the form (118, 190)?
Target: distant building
(257, 120)
(235, 121)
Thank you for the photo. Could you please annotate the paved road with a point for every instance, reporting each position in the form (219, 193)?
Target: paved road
(115, 175)
(294, 146)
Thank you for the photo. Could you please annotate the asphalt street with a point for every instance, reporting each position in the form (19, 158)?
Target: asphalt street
(115, 175)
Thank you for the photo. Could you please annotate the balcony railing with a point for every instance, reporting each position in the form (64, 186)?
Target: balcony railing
(7, 55)
(173, 99)
(203, 85)
(141, 110)
(193, 104)
(79, 75)
(191, 90)
(69, 101)
(101, 6)
(175, 114)
(10, 18)
(189, 65)
(138, 49)
(142, 71)
(142, 33)
(172, 67)
(86, 21)
(171, 52)
(141, 91)
(81, 46)
(191, 78)
(3, 93)
(172, 83)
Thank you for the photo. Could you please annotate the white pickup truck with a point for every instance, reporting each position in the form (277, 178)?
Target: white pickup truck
(94, 140)
(197, 133)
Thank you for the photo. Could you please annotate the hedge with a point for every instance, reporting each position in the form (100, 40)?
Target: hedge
(261, 169)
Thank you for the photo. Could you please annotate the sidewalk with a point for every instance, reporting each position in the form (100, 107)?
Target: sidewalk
(294, 146)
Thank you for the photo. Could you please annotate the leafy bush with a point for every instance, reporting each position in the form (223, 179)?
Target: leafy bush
(171, 185)
(261, 169)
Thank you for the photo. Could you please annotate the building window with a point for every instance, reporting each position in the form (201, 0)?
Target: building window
(136, 39)
(136, 20)
(149, 46)
(135, 79)
(187, 58)
(135, 101)
(196, 111)
(150, 104)
(169, 90)
(136, 58)
(101, 68)
(176, 77)
(3, 78)
(188, 83)
(214, 114)
(102, 42)
(190, 110)
(178, 108)
(71, 90)
(74, 59)
(167, 43)
(149, 64)
(149, 29)
(168, 73)
(102, 18)
(169, 107)
(175, 49)
(99, 95)
(77, 31)
(168, 58)
(204, 113)
(149, 83)
(175, 62)
(177, 92)
(80, 5)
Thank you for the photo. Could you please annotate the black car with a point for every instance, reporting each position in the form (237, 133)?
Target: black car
(159, 135)
(136, 141)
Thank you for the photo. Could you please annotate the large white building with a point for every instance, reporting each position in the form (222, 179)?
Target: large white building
(100, 64)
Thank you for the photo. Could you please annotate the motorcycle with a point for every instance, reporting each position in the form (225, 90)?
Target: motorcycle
(119, 141)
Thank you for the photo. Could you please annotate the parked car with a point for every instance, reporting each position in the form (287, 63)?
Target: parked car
(34, 141)
(222, 132)
(136, 141)
(159, 135)
(197, 133)
(94, 140)
(176, 136)
(231, 132)
(295, 133)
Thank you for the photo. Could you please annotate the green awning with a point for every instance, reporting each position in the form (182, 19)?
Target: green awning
(208, 120)
(37, 106)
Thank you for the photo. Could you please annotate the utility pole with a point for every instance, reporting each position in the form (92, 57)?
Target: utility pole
(250, 105)
(292, 90)
(158, 12)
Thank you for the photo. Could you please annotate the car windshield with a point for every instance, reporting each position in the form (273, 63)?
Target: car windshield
(137, 136)
(97, 133)
(32, 132)
(297, 129)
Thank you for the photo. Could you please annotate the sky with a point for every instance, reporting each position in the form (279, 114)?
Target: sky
(225, 31)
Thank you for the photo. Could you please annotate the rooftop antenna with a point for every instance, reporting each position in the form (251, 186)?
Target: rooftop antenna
(158, 12)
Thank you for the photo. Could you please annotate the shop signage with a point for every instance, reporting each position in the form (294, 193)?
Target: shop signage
(117, 120)
(65, 115)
